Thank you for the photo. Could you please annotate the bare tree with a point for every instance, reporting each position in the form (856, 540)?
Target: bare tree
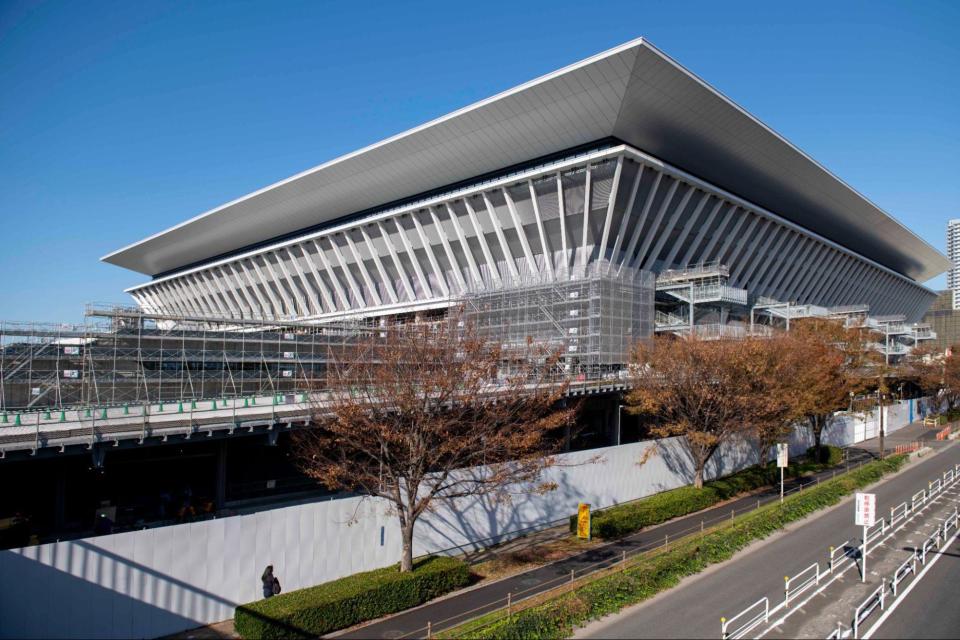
(694, 388)
(433, 412)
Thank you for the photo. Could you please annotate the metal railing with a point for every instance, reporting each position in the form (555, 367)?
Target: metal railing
(794, 586)
(909, 566)
(759, 612)
(868, 606)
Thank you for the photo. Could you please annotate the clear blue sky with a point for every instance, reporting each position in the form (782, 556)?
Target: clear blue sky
(120, 119)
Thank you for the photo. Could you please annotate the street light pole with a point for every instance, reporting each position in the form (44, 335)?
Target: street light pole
(880, 420)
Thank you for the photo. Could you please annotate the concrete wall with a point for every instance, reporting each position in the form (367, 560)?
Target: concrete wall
(159, 581)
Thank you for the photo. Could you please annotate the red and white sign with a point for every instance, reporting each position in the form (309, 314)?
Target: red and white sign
(866, 513)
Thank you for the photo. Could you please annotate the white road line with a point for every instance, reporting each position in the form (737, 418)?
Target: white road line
(906, 592)
(837, 576)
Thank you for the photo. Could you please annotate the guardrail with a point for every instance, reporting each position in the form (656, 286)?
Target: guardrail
(868, 606)
(878, 529)
(807, 578)
(899, 513)
(932, 541)
(846, 552)
(934, 487)
(761, 614)
(944, 433)
(918, 500)
(909, 566)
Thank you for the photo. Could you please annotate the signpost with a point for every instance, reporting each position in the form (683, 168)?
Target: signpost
(865, 516)
(583, 521)
(783, 452)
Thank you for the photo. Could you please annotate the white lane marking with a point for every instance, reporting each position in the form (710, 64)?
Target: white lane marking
(903, 595)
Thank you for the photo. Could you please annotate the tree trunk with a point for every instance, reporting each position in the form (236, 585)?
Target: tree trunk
(698, 476)
(816, 426)
(406, 557)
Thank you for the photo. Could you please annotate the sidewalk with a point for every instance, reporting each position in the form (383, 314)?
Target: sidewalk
(913, 432)
(450, 611)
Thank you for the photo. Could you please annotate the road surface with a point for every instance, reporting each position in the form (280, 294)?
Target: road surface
(694, 608)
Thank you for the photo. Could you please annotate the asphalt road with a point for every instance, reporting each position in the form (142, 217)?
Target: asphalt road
(930, 610)
(693, 609)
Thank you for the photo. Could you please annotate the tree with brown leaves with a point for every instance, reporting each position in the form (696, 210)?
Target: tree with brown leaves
(768, 368)
(699, 389)
(432, 413)
(831, 363)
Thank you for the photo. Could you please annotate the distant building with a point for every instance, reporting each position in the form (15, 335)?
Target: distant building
(944, 318)
(953, 253)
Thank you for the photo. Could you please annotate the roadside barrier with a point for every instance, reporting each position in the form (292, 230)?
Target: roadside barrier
(909, 566)
(843, 551)
(898, 513)
(934, 487)
(868, 606)
(918, 499)
(878, 529)
(759, 612)
(928, 544)
(944, 433)
(807, 578)
(906, 448)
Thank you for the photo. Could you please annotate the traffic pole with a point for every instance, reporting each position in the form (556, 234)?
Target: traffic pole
(781, 485)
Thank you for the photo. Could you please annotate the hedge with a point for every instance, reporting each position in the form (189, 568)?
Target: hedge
(621, 520)
(829, 455)
(557, 618)
(314, 611)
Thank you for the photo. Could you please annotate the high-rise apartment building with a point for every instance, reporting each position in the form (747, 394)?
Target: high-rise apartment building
(953, 253)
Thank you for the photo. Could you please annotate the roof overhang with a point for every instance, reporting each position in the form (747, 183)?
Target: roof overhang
(633, 93)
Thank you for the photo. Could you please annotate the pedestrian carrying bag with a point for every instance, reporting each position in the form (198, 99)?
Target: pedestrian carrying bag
(276, 586)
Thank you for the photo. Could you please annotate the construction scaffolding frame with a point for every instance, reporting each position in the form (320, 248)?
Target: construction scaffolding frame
(592, 317)
(123, 355)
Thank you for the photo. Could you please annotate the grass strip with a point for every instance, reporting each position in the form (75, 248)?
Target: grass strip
(652, 573)
(624, 519)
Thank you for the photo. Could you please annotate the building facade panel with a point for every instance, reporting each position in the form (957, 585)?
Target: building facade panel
(617, 206)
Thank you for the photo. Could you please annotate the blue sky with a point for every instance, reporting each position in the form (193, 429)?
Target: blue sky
(120, 119)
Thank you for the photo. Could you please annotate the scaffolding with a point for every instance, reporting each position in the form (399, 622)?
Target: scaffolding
(123, 355)
(592, 317)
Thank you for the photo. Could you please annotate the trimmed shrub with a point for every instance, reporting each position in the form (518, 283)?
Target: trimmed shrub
(828, 455)
(314, 611)
(620, 520)
(557, 618)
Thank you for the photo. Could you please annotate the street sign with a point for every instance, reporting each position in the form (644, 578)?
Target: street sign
(866, 513)
(583, 521)
(783, 452)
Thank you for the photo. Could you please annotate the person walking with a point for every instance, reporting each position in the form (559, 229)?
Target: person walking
(271, 585)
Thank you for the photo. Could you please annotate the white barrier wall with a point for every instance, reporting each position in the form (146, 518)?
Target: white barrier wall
(159, 581)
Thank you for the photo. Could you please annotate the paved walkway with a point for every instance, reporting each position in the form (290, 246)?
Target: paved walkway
(448, 612)
(914, 432)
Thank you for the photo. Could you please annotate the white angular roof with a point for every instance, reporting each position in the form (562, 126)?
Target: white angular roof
(633, 93)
